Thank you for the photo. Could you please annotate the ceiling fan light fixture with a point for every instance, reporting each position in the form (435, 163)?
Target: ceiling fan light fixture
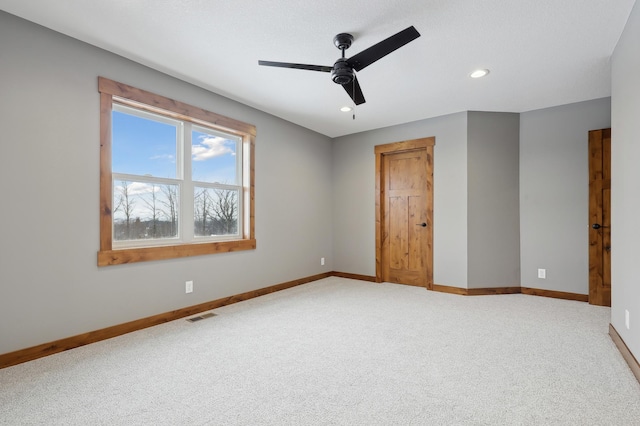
(479, 73)
(346, 109)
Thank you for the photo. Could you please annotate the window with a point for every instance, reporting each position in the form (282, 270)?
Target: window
(175, 180)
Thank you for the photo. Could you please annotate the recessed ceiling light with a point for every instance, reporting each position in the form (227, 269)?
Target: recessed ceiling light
(346, 109)
(479, 73)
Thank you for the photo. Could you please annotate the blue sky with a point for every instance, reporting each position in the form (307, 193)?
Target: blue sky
(146, 147)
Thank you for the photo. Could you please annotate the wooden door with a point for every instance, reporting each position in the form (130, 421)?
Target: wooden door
(600, 217)
(404, 213)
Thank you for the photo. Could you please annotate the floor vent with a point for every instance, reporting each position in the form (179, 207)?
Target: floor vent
(201, 317)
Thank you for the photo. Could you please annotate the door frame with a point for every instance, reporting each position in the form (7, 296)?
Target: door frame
(426, 144)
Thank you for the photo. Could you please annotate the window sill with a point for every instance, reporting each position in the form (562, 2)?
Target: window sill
(144, 254)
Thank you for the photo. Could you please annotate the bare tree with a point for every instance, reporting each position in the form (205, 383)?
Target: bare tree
(170, 210)
(151, 200)
(125, 204)
(202, 211)
(224, 210)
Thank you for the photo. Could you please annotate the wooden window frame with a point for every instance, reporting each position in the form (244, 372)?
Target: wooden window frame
(151, 102)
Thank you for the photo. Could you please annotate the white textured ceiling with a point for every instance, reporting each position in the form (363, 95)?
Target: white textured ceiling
(540, 52)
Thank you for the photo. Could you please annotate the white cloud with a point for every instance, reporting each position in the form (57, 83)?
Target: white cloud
(211, 147)
(139, 188)
(169, 157)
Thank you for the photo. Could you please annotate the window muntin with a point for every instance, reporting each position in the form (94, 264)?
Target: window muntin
(166, 194)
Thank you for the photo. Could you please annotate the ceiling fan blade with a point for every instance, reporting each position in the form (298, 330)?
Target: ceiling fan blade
(296, 66)
(382, 49)
(354, 91)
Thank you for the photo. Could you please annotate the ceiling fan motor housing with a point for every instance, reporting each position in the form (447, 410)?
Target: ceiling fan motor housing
(342, 72)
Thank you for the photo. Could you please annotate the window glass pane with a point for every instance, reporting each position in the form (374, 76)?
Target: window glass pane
(215, 212)
(143, 146)
(144, 210)
(214, 158)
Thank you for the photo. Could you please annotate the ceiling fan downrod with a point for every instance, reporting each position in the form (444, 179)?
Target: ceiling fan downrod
(342, 72)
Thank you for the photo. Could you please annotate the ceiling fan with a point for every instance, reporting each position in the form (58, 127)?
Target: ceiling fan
(342, 72)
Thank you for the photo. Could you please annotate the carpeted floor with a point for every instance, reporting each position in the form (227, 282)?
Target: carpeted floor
(342, 352)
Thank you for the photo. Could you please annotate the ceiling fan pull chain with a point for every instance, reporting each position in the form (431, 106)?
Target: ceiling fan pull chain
(353, 85)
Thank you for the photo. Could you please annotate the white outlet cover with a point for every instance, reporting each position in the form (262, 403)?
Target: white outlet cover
(542, 273)
(188, 287)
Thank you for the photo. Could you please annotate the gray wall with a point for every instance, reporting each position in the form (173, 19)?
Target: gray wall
(554, 193)
(354, 196)
(493, 219)
(625, 183)
(510, 196)
(50, 286)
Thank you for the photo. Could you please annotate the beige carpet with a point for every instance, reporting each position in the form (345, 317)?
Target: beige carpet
(342, 352)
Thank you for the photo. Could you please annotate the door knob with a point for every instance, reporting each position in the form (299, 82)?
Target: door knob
(598, 226)
(424, 225)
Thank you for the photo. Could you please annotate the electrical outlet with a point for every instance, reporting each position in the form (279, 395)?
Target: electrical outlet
(626, 318)
(188, 287)
(322, 261)
(542, 273)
